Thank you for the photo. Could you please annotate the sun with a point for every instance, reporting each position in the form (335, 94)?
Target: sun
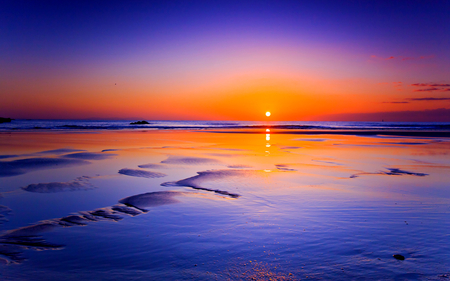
(267, 113)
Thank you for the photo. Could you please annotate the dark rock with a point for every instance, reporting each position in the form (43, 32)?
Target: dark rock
(143, 122)
(5, 120)
(399, 257)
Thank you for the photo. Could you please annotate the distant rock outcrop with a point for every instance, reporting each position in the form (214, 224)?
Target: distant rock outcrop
(143, 122)
(5, 120)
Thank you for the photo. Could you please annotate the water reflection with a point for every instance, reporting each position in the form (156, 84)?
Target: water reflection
(346, 199)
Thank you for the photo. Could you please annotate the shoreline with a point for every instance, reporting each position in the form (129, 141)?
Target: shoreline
(401, 133)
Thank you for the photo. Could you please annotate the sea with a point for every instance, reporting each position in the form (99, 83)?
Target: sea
(62, 125)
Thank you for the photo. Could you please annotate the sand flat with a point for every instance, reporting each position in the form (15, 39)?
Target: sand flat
(337, 208)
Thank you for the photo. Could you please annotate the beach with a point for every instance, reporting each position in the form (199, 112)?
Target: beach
(265, 203)
(224, 140)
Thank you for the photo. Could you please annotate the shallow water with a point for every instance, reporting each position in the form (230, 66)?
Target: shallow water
(180, 205)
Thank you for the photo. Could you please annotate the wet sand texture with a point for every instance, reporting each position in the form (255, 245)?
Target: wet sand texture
(22, 166)
(151, 199)
(13, 242)
(90, 155)
(240, 166)
(197, 181)
(141, 173)
(7, 156)
(153, 166)
(81, 183)
(391, 172)
(60, 151)
(4, 211)
(190, 160)
(285, 167)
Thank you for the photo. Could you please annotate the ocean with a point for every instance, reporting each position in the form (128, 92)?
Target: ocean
(61, 125)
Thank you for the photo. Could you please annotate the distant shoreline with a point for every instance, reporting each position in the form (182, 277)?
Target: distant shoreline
(400, 133)
(404, 133)
(424, 129)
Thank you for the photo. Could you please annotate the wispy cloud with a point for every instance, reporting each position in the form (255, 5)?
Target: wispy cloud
(402, 58)
(380, 58)
(430, 115)
(397, 85)
(419, 58)
(396, 102)
(428, 99)
(430, 85)
(408, 100)
(427, 90)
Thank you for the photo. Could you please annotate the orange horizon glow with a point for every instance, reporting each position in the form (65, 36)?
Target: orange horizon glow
(294, 98)
(238, 91)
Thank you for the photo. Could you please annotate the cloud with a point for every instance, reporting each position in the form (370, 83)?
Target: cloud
(403, 58)
(426, 57)
(430, 115)
(430, 85)
(433, 87)
(427, 90)
(428, 99)
(419, 58)
(397, 85)
(380, 58)
(396, 102)
(427, 87)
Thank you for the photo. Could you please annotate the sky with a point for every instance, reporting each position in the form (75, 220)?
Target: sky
(225, 60)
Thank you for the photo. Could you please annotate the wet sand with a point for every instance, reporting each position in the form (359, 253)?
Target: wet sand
(234, 205)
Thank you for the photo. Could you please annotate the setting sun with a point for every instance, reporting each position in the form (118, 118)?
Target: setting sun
(268, 113)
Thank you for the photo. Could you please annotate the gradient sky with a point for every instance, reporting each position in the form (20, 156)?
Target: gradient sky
(230, 60)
